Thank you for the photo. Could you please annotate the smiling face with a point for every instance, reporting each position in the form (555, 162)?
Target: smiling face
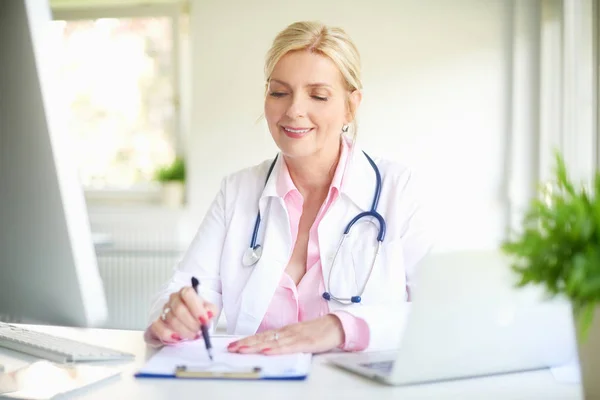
(307, 105)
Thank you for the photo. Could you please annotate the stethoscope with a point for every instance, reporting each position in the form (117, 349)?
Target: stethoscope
(254, 252)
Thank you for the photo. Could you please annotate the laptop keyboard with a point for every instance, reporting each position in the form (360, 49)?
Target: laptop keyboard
(384, 367)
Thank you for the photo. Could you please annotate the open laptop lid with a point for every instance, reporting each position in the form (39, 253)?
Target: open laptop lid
(468, 319)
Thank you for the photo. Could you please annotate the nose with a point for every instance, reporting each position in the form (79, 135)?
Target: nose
(297, 107)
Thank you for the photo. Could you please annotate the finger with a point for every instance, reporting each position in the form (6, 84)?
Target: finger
(181, 332)
(184, 315)
(162, 332)
(211, 310)
(289, 345)
(195, 305)
(249, 341)
(256, 343)
(177, 325)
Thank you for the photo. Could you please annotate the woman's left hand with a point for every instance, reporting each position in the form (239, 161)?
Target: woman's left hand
(316, 336)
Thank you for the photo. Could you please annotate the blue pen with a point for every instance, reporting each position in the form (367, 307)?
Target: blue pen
(203, 327)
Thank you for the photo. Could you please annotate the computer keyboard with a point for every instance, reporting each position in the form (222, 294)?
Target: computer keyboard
(54, 348)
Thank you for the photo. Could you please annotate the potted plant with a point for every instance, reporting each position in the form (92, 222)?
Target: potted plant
(559, 247)
(172, 180)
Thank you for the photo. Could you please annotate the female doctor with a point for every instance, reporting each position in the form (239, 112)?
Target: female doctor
(269, 252)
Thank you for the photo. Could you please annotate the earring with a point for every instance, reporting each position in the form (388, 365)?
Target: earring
(345, 128)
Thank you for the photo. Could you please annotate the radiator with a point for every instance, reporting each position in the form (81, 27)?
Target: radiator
(132, 277)
(141, 245)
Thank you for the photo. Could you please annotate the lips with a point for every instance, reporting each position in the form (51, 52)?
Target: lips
(296, 132)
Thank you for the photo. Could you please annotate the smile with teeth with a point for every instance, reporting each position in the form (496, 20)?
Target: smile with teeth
(292, 130)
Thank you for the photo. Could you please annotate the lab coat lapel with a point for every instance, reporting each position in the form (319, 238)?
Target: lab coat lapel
(359, 182)
(275, 239)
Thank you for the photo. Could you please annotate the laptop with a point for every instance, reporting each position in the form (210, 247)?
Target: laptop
(468, 319)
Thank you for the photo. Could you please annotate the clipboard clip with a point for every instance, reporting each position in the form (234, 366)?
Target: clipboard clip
(186, 372)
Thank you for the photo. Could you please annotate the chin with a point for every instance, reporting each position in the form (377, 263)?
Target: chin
(296, 147)
(297, 150)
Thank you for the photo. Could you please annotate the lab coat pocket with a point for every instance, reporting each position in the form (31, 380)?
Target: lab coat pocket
(380, 269)
(363, 260)
(341, 281)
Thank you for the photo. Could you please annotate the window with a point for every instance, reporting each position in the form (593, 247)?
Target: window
(119, 77)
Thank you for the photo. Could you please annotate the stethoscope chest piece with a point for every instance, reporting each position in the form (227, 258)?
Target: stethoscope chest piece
(251, 256)
(354, 299)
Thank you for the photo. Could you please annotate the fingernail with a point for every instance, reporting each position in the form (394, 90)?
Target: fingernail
(210, 314)
(231, 345)
(202, 320)
(176, 336)
(197, 336)
(243, 348)
(265, 350)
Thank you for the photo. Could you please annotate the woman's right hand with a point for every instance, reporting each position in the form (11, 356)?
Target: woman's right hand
(182, 317)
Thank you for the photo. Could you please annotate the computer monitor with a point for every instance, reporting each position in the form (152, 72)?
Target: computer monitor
(48, 269)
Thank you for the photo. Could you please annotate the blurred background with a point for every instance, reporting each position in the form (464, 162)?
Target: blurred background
(164, 99)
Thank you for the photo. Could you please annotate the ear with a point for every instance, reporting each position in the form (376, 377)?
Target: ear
(353, 103)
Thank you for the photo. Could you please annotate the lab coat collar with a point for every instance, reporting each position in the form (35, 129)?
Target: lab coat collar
(358, 181)
(270, 188)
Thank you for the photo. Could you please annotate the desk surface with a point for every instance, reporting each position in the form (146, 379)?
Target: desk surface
(324, 382)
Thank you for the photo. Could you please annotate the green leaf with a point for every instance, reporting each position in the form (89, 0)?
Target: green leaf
(173, 172)
(590, 287)
(562, 176)
(577, 277)
(584, 317)
(558, 245)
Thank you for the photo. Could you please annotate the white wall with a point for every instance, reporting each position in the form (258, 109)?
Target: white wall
(436, 78)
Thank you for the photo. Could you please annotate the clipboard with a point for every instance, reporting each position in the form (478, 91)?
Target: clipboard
(189, 360)
(193, 373)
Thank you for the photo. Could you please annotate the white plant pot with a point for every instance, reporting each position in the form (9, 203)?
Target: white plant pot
(173, 194)
(589, 360)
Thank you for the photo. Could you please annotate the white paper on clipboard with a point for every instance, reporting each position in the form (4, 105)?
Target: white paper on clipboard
(193, 354)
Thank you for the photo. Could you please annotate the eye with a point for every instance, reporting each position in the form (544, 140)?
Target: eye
(277, 94)
(320, 98)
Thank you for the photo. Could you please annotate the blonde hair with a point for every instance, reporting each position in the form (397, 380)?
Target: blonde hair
(316, 37)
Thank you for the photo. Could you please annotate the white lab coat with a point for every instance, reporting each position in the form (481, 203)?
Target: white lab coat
(244, 293)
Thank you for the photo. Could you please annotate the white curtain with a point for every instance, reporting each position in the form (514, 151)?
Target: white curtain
(554, 96)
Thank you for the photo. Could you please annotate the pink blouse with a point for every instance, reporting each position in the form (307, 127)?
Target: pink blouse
(291, 303)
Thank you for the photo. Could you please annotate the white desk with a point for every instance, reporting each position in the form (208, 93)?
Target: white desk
(324, 382)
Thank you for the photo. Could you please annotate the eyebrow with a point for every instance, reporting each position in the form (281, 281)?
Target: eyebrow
(316, 84)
